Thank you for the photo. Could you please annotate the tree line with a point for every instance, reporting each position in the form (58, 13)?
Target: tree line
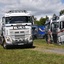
(42, 20)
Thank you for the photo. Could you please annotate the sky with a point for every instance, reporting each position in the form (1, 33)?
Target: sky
(62, 1)
(38, 8)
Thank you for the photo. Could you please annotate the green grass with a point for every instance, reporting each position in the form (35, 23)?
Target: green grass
(42, 44)
(28, 56)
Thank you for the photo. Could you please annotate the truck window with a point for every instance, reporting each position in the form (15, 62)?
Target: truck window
(18, 19)
(62, 24)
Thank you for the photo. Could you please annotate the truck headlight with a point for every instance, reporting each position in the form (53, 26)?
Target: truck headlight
(8, 39)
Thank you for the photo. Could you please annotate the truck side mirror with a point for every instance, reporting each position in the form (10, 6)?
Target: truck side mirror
(33, 19)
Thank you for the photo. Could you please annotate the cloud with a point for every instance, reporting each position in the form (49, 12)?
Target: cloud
(37, 7)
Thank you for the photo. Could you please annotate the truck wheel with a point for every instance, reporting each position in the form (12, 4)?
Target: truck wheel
(4, 46)
(31, 45)
(1, 41)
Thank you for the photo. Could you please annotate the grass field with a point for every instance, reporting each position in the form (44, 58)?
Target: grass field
(29, 56)
(42, 44)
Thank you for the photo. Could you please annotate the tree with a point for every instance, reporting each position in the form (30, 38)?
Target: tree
(41, 21)
(61, 12)
(36, 22)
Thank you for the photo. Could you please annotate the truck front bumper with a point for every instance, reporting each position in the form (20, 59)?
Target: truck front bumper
(20, 43)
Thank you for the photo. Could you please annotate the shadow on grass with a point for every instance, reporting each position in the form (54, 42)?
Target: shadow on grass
(20, 47)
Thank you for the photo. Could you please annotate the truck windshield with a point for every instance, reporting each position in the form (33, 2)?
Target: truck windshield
(18, 19)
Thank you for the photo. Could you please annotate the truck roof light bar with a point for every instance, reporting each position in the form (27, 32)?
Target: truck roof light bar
(16, 11)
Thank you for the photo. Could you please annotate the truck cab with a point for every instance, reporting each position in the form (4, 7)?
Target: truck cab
(57, 29)
(60, 31)
(17, 28)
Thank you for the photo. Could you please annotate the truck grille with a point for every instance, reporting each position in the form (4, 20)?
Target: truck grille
(19, 36)
(19, 32)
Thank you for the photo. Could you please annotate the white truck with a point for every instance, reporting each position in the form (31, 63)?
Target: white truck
(56, 29)
(17, 28)
(60, 29)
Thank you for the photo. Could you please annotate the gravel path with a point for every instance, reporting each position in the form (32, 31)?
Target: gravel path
(54, 50)
(58, 51)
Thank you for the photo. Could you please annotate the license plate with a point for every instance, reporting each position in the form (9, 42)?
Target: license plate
(20, 43)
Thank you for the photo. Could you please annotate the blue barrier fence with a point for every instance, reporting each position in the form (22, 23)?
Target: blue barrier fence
(39, 31)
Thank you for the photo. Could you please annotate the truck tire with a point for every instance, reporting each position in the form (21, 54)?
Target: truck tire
(30, 45)
(1, 40)
(4, 46)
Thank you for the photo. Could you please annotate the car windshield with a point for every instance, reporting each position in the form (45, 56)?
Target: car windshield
(18, 19)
